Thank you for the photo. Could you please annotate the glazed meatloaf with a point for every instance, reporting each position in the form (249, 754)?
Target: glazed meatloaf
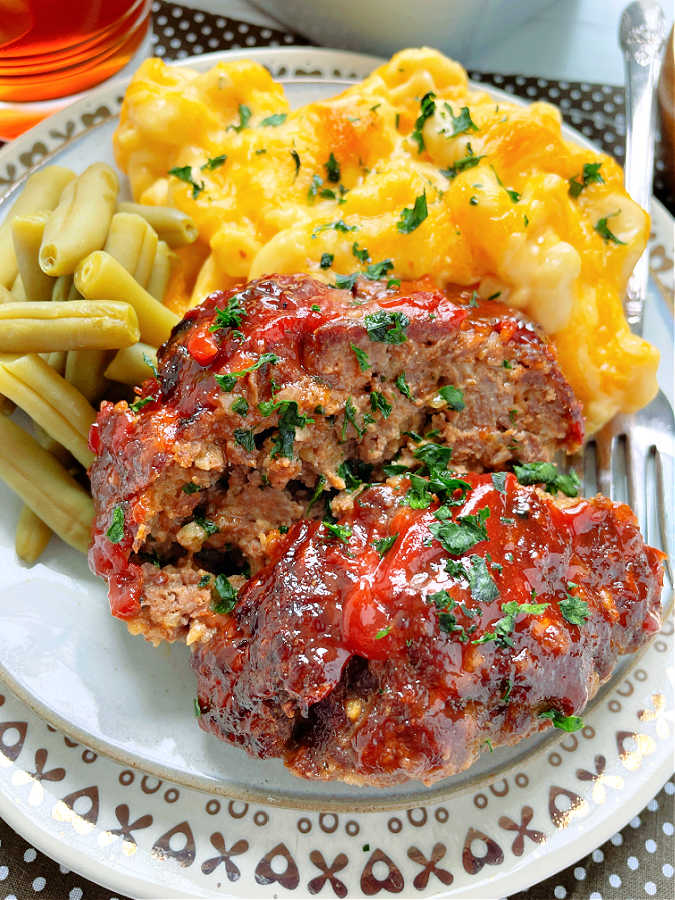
(271, 399)
(421, 628)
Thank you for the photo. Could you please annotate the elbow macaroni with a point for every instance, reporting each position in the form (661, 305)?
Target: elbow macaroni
(507, 223)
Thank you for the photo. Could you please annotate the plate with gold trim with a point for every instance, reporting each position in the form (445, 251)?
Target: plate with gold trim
(129, 792)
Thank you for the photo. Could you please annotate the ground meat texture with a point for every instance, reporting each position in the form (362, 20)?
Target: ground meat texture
(376, 663)
(261, 396)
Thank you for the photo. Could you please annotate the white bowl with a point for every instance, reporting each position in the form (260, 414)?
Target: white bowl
(456, 27)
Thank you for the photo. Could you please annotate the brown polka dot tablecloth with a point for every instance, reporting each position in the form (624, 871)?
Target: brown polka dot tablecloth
(637, 862)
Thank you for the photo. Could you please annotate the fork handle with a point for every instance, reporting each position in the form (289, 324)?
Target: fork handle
(642, 34)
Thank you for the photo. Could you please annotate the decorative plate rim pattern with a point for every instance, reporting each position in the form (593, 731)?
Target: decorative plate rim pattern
(53, 825)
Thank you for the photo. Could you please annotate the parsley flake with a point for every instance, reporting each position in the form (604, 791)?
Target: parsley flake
(207, 526)
(341, 532)
(226, 598)
(274, 120)
(412, 218)
(458, 537)
(332, 167)
(115, 532)
(326, 260)
(499, 481)
(361, 253)
(427, 109)
(335, 226)
(574, 610)
(590, 174)
(453, 397)
(564, 723)
(230, 316)
(361, 358)
(403, 385)
(244, 118)
(240, 406)
(461, 123)
(546, 473)
(184, 173)
(468, 162)
(296, 160)
(383, 632)
(603, 229)
(228, 381)
(379, 402)
(386, 327)
(245, 438)
(140, 402)
(385, 544)
(379, 269)
(214, 162)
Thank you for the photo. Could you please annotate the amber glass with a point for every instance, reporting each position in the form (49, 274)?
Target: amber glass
(54, 48)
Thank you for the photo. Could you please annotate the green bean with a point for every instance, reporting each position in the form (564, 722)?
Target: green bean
(44, 326)
(171, 225)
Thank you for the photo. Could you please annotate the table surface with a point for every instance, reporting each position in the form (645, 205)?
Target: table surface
(637, 861)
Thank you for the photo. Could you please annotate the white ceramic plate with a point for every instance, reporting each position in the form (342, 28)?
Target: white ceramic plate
(62, 655)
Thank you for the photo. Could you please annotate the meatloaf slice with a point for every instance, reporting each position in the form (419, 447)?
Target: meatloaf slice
(271, 395)
(418, 630)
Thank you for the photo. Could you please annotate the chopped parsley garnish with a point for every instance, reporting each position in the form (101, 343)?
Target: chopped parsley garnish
(481, 583)
(274, 120)
(468, 162)
(461, 123)
(506, 696)
(245, 438)
(196, 707)
(499, 481)
(341, 532)
(453, 397)
(488, 743)
(474, 299)
(283, 529)
(244, 118)
(115, 532)
(354, 473)
(503, 627)
(393, 284)
(379, 269)
(427, 109)
(350, 417)
(326, 260)
(383, 632)
(207, 526)
(385, 544)
(590, 174)
(403, 385)
(318, 490)
(603, 229)
(507, 364)
(458, 537)
(419, 496)
(228, 381)
(361, 253)
(346, 282)
(204, 580)
(394, 469)
(412, 218)
(226, 598)
(573, 609)
(289, 420)
(231, 316)
(149, 361)
(335, 226)
(514, 195)
(184, 173)
(314, 186)
(190, 488)
(240, 406)
(140, 402)
(473, 201)
(378, 402)
(296, 160)
(332, 167)
(214, 162)
(361, 358)
(564, 723)
(434, 456)
(546, 473)
(386, 327)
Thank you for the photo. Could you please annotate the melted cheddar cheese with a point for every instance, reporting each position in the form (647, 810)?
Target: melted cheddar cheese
(331, 180)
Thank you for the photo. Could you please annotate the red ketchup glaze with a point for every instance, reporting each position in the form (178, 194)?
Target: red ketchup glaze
(534, 550)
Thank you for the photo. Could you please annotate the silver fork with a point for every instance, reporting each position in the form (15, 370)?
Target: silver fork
(633, 455)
